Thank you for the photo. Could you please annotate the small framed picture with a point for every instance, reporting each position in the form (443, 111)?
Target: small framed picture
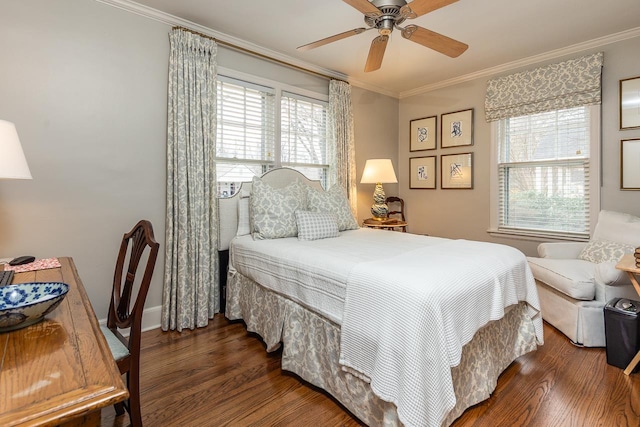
(422, 134)
(456, 128)
(630, 164)
(630, 103)
(456, 171)
(423, 173)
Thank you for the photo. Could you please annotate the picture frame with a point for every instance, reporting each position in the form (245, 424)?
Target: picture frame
(456, 171)
(423, 134)
(456, 128)
(423, 173)
(630, 103)
(630, 164)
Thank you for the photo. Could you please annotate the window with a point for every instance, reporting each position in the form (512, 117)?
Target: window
(547, 170)
(253, 135)
(304, 136)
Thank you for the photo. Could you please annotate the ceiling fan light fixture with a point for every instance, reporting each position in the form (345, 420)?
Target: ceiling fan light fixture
(385, 26)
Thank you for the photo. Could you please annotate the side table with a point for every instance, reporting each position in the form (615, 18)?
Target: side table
(385, 224)
(628, 263)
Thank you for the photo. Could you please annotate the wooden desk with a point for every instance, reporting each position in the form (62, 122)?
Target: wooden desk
(59, 371)
(628, 264)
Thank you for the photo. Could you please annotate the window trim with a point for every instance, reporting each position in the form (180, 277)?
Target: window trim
(595, 179)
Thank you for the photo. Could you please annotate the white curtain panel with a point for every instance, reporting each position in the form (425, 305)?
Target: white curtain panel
(342, 152)
(567, 84)
(191, 291)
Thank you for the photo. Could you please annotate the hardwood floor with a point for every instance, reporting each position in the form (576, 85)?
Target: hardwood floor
(222, 376)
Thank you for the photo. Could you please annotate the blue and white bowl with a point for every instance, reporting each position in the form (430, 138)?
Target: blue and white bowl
(24, 304)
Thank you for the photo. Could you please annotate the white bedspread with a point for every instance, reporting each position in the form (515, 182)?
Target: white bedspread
(407, 317)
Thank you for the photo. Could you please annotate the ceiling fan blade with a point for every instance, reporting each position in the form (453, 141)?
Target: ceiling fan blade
(364, 7)
(420, 7)
(433, 40)
(376, 53)
(328, 40)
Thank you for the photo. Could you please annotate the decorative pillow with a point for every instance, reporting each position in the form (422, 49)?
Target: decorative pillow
(598, 251)
(273, 210)
(316, 225)
(243, 217)
(334, 201)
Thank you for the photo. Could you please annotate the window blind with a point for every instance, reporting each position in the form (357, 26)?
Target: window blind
(246, 124)
(245, 132)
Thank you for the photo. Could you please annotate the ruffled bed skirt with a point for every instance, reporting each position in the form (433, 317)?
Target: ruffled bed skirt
(311, 350)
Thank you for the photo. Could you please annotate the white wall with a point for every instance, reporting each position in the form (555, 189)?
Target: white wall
(465, 213)
(375, 120)
(86, 86)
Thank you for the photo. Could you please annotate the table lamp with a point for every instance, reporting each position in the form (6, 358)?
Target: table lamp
(378, 172)
(13, 164)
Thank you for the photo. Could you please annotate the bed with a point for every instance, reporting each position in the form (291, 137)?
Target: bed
(401, 329)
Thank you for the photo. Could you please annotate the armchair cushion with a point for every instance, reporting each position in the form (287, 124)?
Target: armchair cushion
(572, 277)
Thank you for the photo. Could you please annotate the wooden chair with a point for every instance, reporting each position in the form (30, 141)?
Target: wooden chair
(395, 212)
(136, 244)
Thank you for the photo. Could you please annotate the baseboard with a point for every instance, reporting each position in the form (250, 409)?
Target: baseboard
(151, 319)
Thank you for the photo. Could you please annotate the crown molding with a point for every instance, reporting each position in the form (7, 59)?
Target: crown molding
(532, 60)
(166, 18)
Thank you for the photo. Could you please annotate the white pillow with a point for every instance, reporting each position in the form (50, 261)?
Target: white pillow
(316, 225)
(273, 210)
(334, 201)
(598, 251)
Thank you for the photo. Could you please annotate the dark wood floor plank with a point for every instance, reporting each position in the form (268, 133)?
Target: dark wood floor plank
(222, 376)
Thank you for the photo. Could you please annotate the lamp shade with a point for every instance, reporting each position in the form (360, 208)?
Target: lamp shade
(378, 171)
(13, 164)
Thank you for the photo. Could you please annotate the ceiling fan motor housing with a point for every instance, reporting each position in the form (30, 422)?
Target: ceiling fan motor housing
(390, 16)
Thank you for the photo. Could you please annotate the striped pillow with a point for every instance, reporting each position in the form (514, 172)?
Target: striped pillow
(316, 225)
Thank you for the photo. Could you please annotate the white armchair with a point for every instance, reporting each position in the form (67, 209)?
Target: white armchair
(575, 280)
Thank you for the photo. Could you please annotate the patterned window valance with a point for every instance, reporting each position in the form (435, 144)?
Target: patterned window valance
(558, 86)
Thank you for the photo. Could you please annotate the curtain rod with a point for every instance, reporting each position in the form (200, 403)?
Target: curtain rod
(259, 55)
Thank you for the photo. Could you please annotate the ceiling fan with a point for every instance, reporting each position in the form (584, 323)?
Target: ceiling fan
(385, 15)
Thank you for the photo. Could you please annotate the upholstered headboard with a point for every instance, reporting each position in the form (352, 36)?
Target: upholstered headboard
(228, 206)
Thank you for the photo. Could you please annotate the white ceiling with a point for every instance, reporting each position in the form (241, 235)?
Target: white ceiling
(500, 33)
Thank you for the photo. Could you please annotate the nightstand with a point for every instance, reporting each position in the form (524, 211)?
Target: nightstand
(385, 224)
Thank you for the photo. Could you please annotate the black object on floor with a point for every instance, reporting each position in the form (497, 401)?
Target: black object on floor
(622, 331)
